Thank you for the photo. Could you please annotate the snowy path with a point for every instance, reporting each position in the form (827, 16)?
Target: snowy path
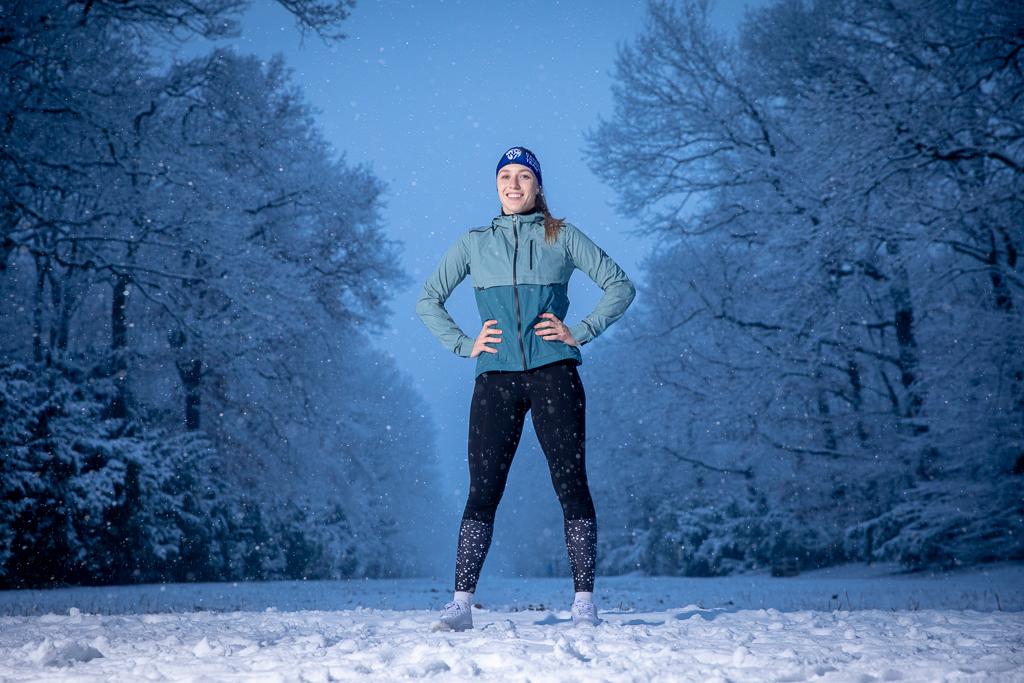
(940, 628)
(684, 644)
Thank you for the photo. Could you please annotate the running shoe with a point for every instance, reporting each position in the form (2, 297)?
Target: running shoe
(584, 613)
(456, 616)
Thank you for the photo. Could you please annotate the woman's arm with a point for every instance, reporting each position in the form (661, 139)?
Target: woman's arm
(618, 290)
(452, 270)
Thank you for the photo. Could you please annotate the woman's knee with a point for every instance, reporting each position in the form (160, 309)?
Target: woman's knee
(480, 510)
(576, 502)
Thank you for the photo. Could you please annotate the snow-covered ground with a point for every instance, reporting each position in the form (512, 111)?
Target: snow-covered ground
(847, 624)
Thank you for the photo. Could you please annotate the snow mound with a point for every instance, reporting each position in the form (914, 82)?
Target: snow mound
(62, 653)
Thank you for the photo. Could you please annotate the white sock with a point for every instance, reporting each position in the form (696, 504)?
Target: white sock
(584, 596)
(464, 597)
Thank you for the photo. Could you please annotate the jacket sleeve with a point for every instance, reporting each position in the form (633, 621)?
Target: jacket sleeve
(619, 291)
(452, 270)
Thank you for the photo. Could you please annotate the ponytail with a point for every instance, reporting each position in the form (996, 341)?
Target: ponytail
(552, 225)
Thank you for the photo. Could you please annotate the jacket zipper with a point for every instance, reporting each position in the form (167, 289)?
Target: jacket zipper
(515, 289)
(531, 254)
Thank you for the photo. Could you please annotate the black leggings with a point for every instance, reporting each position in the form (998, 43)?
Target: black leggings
(554, 396)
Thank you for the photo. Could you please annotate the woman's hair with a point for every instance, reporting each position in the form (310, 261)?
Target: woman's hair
(551, 225)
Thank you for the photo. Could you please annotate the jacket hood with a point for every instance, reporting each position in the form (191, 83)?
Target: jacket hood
(505, 220)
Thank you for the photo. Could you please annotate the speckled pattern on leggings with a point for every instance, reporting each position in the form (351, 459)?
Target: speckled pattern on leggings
(581, 542)
(474, 540)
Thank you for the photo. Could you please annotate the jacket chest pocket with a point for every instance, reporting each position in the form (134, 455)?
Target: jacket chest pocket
(547, 262)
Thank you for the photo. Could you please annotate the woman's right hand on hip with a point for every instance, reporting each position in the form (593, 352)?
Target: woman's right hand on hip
(488, 335)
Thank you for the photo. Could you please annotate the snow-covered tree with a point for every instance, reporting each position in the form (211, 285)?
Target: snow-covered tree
(187, 272)
(831, 322)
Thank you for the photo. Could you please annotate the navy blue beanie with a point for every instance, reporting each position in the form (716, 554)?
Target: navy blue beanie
(521, 155)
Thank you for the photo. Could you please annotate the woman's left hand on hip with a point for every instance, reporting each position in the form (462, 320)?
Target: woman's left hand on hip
(554, 329)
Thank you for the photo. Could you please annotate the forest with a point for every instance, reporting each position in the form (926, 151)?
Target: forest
(186, 271)
(823, 364)
(830, 363)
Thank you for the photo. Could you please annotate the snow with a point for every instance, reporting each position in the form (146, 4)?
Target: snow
(844, 624)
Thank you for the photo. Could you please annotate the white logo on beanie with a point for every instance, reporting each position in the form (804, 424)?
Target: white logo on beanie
(527, 158)
(516, 152)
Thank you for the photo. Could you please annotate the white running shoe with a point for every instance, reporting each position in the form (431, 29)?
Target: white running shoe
(584, 613)
(457, 616)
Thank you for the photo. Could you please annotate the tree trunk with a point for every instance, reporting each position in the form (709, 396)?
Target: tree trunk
(190, 372)
(65, 305)
(824, 411)
(37, 311)
(857, 398)
(1000, 290)
(119, 345)
(189, 363)
(908, 355)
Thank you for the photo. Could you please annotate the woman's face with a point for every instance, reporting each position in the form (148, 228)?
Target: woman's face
(517, 188)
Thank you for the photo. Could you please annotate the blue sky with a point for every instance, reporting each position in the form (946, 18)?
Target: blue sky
(429, 94)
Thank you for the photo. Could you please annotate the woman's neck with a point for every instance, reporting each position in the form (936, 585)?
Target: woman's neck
(532, 209)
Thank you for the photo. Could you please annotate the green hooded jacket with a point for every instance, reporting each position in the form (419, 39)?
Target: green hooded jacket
(516, 276)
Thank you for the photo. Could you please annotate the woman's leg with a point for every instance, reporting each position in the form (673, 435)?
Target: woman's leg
(496, 417)
(558, 408)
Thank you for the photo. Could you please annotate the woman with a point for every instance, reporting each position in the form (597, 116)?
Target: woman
(520, 266)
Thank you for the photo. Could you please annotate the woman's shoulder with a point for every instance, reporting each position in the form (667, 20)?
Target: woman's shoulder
(474, 234)
(469, 233)
(569, 231)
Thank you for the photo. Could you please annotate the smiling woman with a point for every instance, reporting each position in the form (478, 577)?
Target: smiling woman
(520, 266)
